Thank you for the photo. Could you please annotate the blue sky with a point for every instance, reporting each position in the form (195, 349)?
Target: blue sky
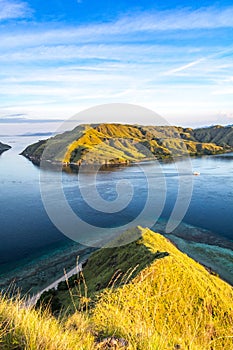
(60, 57)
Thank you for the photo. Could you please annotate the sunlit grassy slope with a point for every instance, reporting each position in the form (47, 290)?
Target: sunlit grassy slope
(172, 303)
(118, 143)
(22, 328)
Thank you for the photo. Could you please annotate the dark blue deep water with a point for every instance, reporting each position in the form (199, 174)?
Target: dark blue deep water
(27, 234)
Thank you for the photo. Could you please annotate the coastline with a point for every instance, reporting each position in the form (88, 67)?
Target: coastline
(72, 167)
(209, 250)
(217, 260)
(38, 274)
(31, 301)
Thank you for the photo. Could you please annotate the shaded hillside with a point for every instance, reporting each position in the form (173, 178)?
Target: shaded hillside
(172, 303)
(221, 136)
(117, 143)
(4, 148)
(105, 268)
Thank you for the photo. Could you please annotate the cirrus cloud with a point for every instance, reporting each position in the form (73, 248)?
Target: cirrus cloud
(13, 9)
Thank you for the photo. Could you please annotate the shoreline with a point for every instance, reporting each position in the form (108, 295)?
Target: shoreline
(210, 256)
(31, 301)
(216, 260)
(74, 167)
(209, 250)
(38, 274)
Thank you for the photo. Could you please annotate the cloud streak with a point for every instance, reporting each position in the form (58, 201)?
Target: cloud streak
(146, 22)
(185, 67)
(184, 19)
(13, 10)
(21, 119)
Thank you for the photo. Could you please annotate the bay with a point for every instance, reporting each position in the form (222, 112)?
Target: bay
(33, 252)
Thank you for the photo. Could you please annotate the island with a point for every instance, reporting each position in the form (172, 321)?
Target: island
(4, 147)
(111, 144)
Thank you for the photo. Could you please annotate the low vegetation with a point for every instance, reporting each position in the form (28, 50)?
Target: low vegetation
(23, 328)
(105, 268)
(165, 301)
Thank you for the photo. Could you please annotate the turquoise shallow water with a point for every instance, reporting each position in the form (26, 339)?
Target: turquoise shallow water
(34, 251)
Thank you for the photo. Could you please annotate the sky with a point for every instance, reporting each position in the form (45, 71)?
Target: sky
(58, 58)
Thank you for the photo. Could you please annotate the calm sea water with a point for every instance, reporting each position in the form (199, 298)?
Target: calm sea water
(27, 234)
(25, 229)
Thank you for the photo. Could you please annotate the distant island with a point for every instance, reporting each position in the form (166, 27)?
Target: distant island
(28, 134)
(4, 148)
(110, 144)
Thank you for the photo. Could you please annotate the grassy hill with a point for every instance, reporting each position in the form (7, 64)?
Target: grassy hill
(116, 143)
(156, 298)
(221, 136)
(4, 147)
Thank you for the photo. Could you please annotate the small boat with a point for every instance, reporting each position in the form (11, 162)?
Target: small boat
(196, 173)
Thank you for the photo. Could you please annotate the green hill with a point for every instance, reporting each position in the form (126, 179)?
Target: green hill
(163, 301)
(116, 143)
(4, 147)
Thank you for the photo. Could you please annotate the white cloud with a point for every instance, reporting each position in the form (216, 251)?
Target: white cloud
(146, 22)
(13, 9)
(114, 53)
(183, 19)
(185, 67)
(224, 91)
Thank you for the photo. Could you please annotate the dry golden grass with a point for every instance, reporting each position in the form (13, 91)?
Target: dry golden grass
(23, 328)
(175, 303)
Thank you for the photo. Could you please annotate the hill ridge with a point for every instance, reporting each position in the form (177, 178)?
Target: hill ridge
(172, 303)
(112, 143)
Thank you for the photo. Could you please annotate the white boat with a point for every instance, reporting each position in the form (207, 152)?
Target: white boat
(196, 173)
